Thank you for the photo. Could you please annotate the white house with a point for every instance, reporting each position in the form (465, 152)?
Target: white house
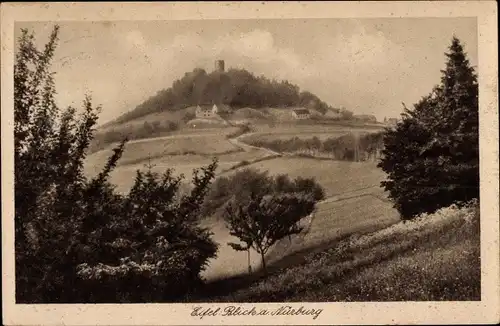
(205, 112)
(301, 114)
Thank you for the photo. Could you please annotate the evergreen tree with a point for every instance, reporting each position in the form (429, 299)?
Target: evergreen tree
(432, 156)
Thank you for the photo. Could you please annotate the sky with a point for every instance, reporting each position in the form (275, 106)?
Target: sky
(369, 66)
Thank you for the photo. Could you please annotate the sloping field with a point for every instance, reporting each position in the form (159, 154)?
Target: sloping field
(123, 176)
(330, 221)
(141, 150)
(355, 203)
(433, 258)
(163, 157)
(336, 177)
(356, 212)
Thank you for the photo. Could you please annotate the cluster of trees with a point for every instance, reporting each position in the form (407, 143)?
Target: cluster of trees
(77, 240)
(242, 184)
(236, 87)
(349, 147)
(432, 155)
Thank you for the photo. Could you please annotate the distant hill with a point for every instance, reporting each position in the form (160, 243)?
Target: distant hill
(236, 87)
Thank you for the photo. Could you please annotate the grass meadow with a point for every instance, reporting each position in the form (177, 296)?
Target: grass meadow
(433, 258)
(336, 177)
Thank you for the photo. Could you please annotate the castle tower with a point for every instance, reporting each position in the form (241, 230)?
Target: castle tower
(219, 65)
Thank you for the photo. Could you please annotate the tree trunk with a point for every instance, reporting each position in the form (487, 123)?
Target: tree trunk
(249, 265)
(264, 268)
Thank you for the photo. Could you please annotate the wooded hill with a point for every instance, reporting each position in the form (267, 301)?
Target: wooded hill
(236, 87)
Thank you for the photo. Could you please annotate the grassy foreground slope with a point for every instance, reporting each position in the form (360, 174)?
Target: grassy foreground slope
(433, 258)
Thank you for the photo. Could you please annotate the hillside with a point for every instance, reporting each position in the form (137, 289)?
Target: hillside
(433, 258)
(253, 99)
(236, 87)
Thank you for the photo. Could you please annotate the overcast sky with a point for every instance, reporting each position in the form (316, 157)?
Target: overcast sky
(368, 66)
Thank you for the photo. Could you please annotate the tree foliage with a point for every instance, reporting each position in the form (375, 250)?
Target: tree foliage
(77, 239)
(246, 182)
(259, 209)
(432, 155)
(265, 219)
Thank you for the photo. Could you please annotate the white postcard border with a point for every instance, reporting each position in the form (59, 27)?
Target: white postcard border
(485, 311)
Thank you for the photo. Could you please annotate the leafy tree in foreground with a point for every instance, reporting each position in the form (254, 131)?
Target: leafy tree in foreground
(263, 220)
(76, 239)
(432, 156)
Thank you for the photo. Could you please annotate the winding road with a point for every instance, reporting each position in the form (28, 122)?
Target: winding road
(236, 141)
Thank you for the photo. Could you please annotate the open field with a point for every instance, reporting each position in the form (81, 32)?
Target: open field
(123, 176)
(330, 221)
(354, 203)
(336, 177)
(163, 156)
(202, 143)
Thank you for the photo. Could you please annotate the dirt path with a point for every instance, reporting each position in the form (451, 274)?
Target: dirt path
(237, 142)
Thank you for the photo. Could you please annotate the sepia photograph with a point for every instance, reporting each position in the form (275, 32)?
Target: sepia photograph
(250, 167)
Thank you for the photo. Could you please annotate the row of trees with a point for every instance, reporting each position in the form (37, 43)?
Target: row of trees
(349, 147)
(236, 87)
(78, 240)
(432, 155)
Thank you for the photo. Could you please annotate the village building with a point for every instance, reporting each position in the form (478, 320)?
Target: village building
(204, 111)
(207, 111)
(301, 114)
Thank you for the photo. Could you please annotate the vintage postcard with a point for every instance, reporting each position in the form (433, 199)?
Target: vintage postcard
(260, 163)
